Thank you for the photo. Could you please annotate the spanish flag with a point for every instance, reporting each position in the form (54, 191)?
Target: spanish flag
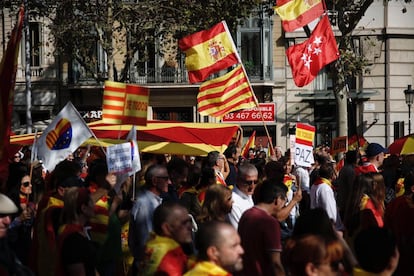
(250, 144)
(208, 52)
(225, 94)
(125, 104)
(298, 13)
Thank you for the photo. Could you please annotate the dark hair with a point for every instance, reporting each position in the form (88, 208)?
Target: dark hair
(374, 247)
(408, 181)
(326, 171)
(163, 213)
(212, 158)
(351, 157)
(274, 170)
(177, 165)
(208, 234)
(269, 190)
(314, 221)
(231, 149)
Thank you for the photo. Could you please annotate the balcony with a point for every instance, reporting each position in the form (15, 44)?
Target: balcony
(169, 75)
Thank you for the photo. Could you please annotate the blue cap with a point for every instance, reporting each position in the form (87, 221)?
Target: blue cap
(374, 149)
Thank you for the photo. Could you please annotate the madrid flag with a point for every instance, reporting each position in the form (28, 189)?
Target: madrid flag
(298, 13)
(208, 52)
(308, 58)
(62, 137)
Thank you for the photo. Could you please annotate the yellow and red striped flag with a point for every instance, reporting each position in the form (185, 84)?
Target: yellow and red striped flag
(298, 13)
(208, 52)
(225, 94)
(250, 144)
(125, 104)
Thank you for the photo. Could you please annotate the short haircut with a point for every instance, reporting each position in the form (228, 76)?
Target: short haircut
(152, 171)
(208, 234)
(374, 247)
(177, 165)
(269, 190)
(245, 169)
(212, 158)
(163, 214)
(326, 171)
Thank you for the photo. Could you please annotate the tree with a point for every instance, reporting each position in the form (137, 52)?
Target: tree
(123, 27)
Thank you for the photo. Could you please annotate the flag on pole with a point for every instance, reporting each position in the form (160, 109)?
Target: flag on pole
(132, 138)
(8, 68)
(208, 52)
(298, 13)
(225, 94)
(308, 58)
(250, 144)
(62, 137)
(125, 104)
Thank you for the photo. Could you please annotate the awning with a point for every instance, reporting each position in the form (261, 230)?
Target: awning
(159, 137)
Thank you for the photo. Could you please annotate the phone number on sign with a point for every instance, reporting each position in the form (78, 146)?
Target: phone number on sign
(249, 116)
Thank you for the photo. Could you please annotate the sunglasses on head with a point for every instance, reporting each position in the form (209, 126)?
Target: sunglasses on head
(26, 184)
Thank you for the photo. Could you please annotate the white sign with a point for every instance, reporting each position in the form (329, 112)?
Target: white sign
(303, 155)
(119, 158)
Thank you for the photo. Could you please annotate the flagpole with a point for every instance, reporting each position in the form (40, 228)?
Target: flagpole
(248, 81)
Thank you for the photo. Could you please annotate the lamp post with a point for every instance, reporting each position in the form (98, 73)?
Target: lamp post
(409, 98)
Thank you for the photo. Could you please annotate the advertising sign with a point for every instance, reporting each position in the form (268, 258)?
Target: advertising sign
(252, 115)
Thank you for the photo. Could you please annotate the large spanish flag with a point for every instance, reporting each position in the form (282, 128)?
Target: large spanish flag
(208, 52)
(225, 94)
(298, 13)
(125, 103)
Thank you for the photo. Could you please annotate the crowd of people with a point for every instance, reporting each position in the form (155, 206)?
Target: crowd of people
(222, 214)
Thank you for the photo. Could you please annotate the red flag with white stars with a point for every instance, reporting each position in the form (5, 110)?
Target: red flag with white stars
(308, 58)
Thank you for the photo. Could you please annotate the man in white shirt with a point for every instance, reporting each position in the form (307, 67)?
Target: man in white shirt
(242, 194)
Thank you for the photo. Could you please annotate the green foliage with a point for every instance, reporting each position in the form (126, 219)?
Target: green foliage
(78, 25)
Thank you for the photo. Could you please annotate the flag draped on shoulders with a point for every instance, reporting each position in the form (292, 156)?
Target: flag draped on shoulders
(308, 58)
(298, 13)
(8, 68)
(208, 52)
(250, 144)
(125, 103)
(225, 94)
(63, 136)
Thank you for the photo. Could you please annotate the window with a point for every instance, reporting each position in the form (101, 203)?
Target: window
(182, 114)
(35, 44)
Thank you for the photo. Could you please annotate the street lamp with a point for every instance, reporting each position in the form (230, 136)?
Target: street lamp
(409, 99)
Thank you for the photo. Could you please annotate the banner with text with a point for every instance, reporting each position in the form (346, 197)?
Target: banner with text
(304, 145)
(119, 158)
(252, 115)
(338, 145)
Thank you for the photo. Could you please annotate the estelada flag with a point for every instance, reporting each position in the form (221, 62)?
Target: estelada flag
(225, 94)
(62, 137)
(125, 104)
(298, 13)
(8, 68)
(308, 58)
(250, 144)
(208, 52)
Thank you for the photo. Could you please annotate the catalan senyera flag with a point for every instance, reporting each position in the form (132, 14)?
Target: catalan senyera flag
(125, 104)
(62, 137)
(8, 68)
(225, 94)
(249, 145)
(208, 52)
(308, 58)
(298, 13)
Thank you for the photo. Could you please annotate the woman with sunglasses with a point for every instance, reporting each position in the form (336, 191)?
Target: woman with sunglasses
(20, 230)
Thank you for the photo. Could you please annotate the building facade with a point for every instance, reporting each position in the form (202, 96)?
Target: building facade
(385, 36)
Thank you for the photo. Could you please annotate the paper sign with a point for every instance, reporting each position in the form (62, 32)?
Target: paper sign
(304, 145)
(338, 145)
(119, 158)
